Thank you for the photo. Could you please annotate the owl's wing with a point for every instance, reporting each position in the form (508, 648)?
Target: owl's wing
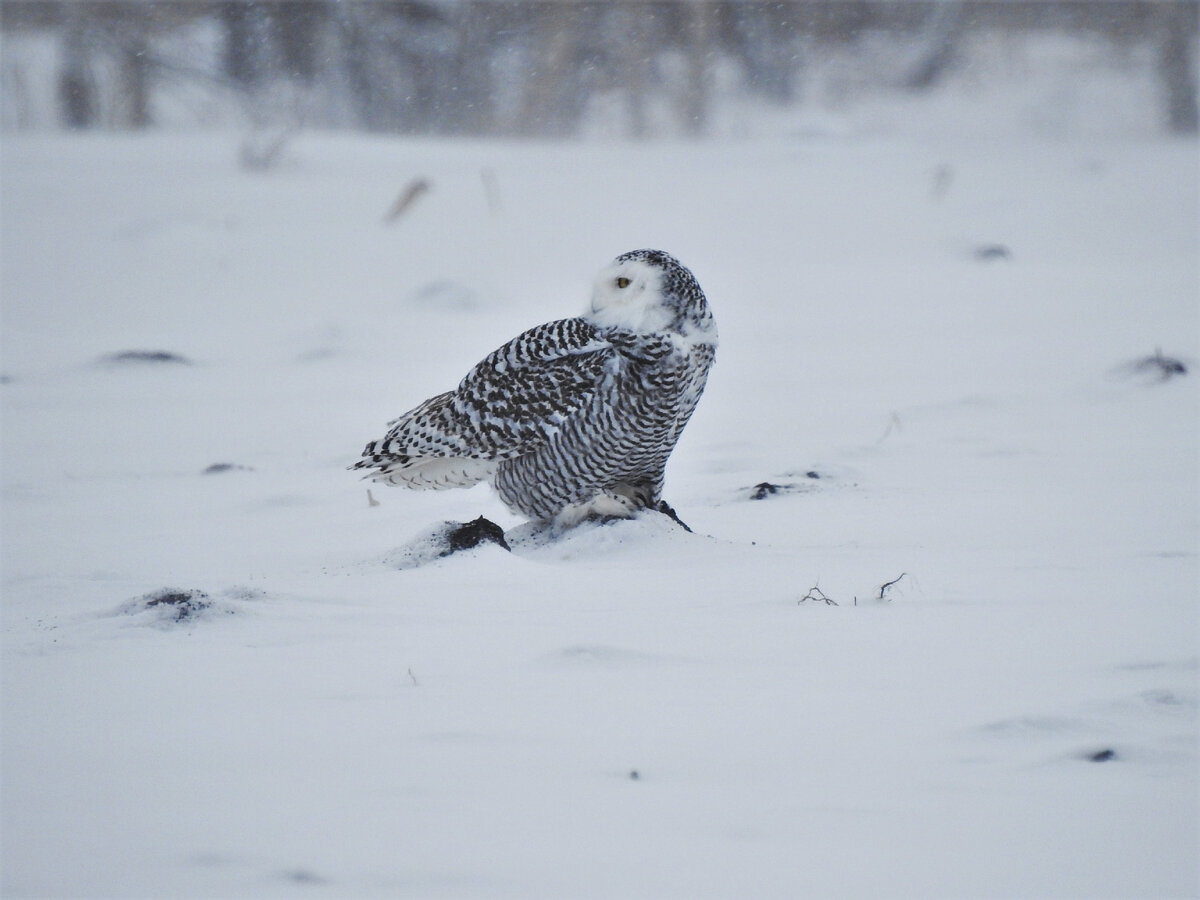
(522, 393)
(511, 402)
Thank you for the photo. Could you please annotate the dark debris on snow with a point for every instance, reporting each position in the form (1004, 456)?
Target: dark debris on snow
(185, 604)
(146, 356)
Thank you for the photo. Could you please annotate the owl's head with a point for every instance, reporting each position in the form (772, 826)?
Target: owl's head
(648, 290)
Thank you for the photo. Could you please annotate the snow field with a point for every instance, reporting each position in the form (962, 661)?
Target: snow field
(333, 726)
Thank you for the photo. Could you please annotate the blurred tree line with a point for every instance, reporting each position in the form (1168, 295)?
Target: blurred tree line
(526, 67)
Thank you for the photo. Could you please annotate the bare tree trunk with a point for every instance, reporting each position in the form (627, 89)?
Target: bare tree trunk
(297, 24)
(633, 21)
(76, 88)
(134, 78)
(765, 38)
(1177, 28)
(947, 23)
(475, 25)
(131, 27)
(544, 110)
(354, 23)
(698, 46)
(243, 51)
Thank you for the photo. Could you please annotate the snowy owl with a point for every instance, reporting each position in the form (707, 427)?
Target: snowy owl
(574, 418)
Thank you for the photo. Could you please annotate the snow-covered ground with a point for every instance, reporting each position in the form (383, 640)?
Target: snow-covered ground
(943, 329)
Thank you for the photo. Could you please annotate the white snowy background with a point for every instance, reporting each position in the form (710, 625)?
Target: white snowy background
(634, 711)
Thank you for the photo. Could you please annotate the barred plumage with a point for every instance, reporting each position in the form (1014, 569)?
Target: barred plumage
(571, 417)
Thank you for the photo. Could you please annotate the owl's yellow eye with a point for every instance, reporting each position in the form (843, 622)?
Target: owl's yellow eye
(623, 282)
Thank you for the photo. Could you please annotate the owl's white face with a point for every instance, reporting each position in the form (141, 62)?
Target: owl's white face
(628, 295)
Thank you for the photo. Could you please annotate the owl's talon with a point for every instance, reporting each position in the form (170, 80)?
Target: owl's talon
(665, 508)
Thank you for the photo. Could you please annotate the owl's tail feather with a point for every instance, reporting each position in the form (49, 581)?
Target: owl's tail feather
(427, 472)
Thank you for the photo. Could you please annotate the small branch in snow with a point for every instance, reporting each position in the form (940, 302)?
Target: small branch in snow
(943, 176)
(407, 198)
(414, 678)
(371, 501)
(815, 593)
(491, 190)
(263, 151)
(892, 425)
(887, 584)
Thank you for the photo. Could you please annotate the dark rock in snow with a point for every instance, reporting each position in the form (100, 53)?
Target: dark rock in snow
(185, 604)
(218, 468)
(445, 539)
(170, 607)
(1162, 367)
(303, 876)
(1104, 755)
(991, 252)
(763, 490)
(472, 534)
(146, 356)
(1153, 369)
(766, 489)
